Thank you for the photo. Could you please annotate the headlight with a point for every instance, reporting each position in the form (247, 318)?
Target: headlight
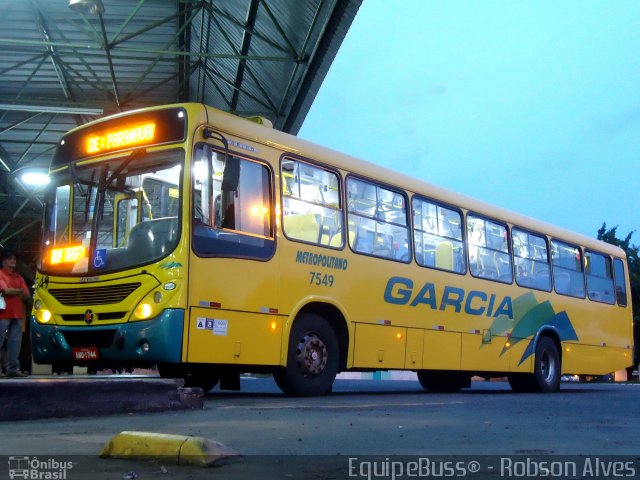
(144, 310)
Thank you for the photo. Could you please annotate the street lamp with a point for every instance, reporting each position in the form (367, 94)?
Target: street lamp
(92, 7)
(35, 178)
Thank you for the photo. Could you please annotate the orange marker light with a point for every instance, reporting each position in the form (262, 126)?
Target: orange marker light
(274, 325)
(398, 336)
(67, 254)
(123, 138)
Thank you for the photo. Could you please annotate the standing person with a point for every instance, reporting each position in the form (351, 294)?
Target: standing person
(15, 292)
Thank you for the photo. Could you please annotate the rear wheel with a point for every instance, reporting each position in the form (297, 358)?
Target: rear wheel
(546, 373)
(312, 358)
(442, 381)
(547, 369)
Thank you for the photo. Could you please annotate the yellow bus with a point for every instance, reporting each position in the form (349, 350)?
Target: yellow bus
(212, 245)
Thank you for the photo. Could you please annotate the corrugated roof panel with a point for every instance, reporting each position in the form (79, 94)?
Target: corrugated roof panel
(52, 59)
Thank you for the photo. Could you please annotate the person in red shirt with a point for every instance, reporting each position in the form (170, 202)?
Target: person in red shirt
(15, 293)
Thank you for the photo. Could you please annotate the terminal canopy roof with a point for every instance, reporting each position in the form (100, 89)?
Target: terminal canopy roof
(66, 62)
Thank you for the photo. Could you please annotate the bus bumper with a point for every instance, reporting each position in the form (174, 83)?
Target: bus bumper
(136, 343)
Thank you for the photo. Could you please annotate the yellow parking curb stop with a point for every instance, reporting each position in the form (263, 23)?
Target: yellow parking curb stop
(181, 449)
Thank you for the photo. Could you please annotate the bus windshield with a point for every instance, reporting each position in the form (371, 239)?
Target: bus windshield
(109, 216)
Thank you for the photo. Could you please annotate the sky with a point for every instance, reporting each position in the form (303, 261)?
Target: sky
(533, 106)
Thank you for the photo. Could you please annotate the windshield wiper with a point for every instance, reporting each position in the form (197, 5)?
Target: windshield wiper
(124, 164)
(88, 196)
(76, 180)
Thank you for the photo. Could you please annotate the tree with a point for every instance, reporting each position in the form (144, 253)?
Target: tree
(633, 262)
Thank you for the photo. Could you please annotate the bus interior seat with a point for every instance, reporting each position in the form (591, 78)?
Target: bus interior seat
(444, 255)
(503, 267)
(541, 279)
(304, 226)
(336, 239)
(562, 281)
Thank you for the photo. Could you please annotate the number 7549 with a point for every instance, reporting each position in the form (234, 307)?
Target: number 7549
(318, 278)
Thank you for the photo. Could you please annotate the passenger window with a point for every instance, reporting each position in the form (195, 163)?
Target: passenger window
(531, 259)
(568, 276)
(311, 204)
(621, 282)
(488, 249)
(438, 237)
(231, 206)
(599, 277)
(377, 221)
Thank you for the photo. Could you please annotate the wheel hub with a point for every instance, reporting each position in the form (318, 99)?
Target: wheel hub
(547, 367)
(311, 355)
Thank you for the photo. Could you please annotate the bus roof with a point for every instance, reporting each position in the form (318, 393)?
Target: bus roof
(283, 141)
(265, 135)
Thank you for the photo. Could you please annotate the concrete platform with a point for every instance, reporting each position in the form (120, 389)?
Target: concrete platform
(61, 396)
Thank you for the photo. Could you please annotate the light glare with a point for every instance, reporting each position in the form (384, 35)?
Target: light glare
(35, 179)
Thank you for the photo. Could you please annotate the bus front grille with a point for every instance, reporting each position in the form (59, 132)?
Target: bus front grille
(93, 295)
(79, 317)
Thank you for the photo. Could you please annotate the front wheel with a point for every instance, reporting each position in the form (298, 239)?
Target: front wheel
(312, 358)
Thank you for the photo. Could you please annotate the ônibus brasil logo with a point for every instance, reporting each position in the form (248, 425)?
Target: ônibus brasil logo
(32, 468)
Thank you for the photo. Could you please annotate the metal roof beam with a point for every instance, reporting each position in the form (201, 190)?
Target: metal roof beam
(24, 62)
(176, 53)
(42, 130)
(51, 51)
(233, 107)
(210, 72)
(184, 44)
(173, 40)
(152, 26)
(26, 83)
(18, 231)
(332, 35)
(69, 108)
(282, 33)
(107, 51)
(199, 67)
(128, 20)
(250, 24)
(42, 142)
(239, 24)
(80, 53)
(285, 96)
(21, 122)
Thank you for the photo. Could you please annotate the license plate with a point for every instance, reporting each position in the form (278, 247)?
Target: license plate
(85, 353)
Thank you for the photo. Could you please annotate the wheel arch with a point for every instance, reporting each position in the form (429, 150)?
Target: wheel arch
(335, 317)
(551, 332)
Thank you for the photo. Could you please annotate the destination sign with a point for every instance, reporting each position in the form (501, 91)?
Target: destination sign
(122, 133)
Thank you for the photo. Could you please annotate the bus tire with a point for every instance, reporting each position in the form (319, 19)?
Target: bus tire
(312, 358)
(442, 382)
(546, 370)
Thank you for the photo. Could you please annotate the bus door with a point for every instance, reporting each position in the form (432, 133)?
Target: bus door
(234, 292)
(128, 214)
